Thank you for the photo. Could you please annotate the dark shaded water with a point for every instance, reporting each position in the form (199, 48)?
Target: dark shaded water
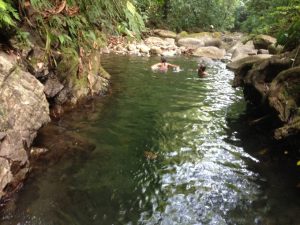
(169, 149)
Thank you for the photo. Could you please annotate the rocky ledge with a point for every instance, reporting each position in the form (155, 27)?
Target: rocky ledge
(272, 83)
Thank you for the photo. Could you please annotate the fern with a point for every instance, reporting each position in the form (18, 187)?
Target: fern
(8, 15)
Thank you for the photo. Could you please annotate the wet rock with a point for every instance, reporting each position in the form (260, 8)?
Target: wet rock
(143, 48)
(169, 53)
(52, 87)
(155, 41)
(24, 109)
(210, 52)
(240, 50)
(81, 77)
(247, 61)
(213, 42)
(192, 43)
(165, 33)
(285, 99)
(37, 152)
(263, 41)
(131, 47)
(262, 51)
(155, 50)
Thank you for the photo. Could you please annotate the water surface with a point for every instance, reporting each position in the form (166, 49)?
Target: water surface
(168, 149)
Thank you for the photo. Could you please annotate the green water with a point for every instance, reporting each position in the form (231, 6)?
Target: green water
(168, 149)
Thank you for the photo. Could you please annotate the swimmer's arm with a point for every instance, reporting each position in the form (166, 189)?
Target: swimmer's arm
(156, 65)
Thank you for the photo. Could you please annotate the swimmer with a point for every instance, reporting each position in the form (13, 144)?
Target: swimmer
(163, 66)
(201, 71)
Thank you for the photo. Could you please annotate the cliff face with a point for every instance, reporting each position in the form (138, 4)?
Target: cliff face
(273, 83)
(23, 109)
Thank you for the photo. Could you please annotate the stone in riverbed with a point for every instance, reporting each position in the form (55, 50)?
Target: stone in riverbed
(155, 50)
(165, 33)
(192, 43)
(210, 52)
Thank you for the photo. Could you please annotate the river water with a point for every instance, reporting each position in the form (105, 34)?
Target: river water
(169, 148)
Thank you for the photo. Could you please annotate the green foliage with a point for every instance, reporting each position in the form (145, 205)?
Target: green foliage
(279, 18)
(190, 14)
(8, 14)
(135, 21)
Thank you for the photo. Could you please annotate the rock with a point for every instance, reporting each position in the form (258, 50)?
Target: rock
(2, 135)
(205, 61)
(284, 94)
(247, 61)
(81, 77)
(52, 87)
(144, 48)
(165, 33)
(36, 152)
(210, 52)
(262, 51)
(191, 43)
(240, 50)
(155, 50)
(213, 42)
(263, 41)
(275, 49)
(169, 53)
(155, 41)
(24, 109)
(131, 47)
(170, 41)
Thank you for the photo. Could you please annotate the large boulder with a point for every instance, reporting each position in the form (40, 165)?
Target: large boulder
(165, 33)
(284, 97)
(192, 43)
(209, 52)
(24, 110)
(240, 50)
(247, 61)
(263, 41)
(155, 41)
(243, 65)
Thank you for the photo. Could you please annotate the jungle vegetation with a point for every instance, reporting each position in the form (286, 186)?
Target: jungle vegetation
(85, 22)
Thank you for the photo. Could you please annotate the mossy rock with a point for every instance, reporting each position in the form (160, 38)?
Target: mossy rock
(206, 34)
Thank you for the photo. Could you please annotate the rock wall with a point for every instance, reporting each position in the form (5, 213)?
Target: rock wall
(23, 110)
(272, 83)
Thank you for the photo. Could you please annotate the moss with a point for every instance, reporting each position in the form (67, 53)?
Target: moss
(67, 69)
(205, 34)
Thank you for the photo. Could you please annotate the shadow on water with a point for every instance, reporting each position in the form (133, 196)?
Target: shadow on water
(161, 149)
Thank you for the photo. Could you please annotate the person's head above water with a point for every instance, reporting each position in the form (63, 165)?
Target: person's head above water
(163, 59)
(203, 67)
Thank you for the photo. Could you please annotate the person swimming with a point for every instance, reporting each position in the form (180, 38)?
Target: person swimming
(163, 66)
(201, 71)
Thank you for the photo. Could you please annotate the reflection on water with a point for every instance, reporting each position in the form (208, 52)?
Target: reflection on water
(165, 154)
